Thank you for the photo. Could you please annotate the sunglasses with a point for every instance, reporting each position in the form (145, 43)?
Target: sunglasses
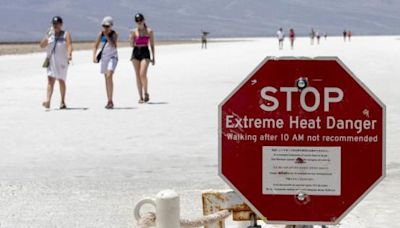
(106, 26)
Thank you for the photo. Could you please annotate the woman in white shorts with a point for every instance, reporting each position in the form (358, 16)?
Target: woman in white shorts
(59, 54)
(109, 56)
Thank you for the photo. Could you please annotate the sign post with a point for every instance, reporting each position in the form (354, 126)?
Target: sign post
(302, 141)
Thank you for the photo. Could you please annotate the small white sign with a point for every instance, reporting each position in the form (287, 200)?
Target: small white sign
(309, 170)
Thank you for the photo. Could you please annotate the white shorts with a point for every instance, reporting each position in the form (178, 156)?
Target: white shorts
(108, 64)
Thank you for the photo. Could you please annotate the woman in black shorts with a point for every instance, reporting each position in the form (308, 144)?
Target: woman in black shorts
(141, 37)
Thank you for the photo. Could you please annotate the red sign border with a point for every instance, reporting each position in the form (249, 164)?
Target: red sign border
(348, 71)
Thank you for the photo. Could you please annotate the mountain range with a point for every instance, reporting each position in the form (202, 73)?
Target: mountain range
(28, 20)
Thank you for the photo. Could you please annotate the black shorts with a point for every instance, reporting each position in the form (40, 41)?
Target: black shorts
(140, 53)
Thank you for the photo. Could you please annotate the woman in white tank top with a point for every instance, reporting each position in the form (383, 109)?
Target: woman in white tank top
(59, 52)
(108, 39)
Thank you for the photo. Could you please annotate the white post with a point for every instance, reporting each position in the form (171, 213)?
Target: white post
(167, 209)
(244, 224)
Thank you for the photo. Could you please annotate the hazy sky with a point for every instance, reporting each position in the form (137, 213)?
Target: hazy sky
(171, 19)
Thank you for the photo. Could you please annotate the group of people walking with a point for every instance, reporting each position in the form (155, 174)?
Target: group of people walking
(280, 34)
(314, 35)
(347, 35)
(281, 37)
(59, 54)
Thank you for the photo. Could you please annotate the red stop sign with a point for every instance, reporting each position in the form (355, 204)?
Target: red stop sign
(302, 140)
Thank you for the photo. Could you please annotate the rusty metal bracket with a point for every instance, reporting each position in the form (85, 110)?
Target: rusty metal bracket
(217, 200)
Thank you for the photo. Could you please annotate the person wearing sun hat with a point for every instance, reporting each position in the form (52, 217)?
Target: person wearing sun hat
(108, 56)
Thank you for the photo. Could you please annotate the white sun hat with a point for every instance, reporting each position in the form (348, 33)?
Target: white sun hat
(108, 21)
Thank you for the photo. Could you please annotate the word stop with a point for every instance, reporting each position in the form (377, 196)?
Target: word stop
(330, 95)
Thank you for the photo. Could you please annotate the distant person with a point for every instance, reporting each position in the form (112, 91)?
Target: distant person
(140, 39)
(318, 35)
(204, 39)
(344, 35)
(312, 36)
(292, 36)
(281, 36)
(108, 56)
(325, 35)
(59, 54)
(349, 34)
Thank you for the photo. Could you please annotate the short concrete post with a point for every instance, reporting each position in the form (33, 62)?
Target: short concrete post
(242, 224)
(167, 209)
(167, 214)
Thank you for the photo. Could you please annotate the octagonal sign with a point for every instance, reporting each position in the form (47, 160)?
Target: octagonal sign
(302, 140)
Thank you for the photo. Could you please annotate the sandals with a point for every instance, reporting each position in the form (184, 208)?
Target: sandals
(110, 105)
(145, 100)
(146, 97)
(46, 104)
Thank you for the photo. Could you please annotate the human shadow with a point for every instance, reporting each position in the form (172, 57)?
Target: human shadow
(124, 108)
(68, 109)
(157, 103)
(77, 109)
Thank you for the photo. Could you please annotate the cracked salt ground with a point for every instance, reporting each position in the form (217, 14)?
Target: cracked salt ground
(87, 167)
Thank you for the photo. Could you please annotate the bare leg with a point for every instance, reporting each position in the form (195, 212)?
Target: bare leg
(136, 65)
(144, 65)
(109, 85)
(63, 89)
(50, 88)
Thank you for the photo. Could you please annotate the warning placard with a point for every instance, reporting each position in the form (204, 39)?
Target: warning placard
(294, 170)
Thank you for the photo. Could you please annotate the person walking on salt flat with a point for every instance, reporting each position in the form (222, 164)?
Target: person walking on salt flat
(312, 36)
(59, 54)
(204, 35)
(108, 56)
(292, 36)
(140, 38)
(281, 36)
(349, 34)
